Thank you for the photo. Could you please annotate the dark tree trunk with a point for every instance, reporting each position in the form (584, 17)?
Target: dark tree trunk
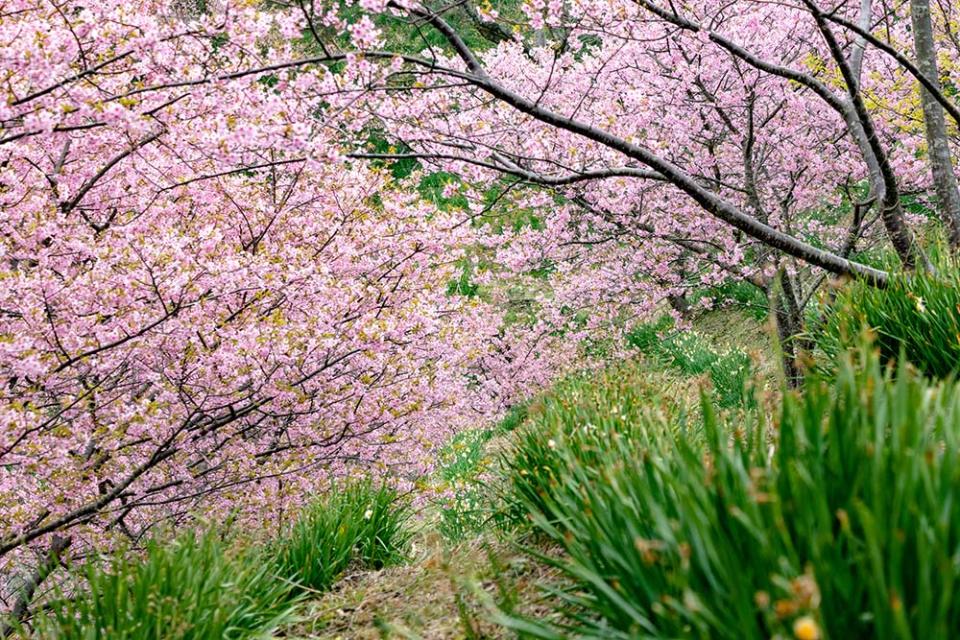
(33, 581)
(789, 319)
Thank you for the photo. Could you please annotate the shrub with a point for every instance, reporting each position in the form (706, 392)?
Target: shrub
(917, 314)
(195, 588)
(356, 523)
(842, 520)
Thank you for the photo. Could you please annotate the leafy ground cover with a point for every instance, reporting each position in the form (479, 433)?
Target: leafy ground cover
(208, 586)
(193, 587)
(917, 317)
(728, 368)
(836, 517)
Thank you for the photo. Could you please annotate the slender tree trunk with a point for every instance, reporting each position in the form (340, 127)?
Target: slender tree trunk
(941, 164)
(860, 44)
(790, 369)
(789, 320)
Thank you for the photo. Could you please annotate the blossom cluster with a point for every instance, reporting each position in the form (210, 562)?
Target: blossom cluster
(206, 309)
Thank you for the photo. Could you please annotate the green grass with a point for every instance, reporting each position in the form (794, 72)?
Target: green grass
(356, 523)
(463, 456)
(199, 587)
(514, 418)
(840, 515)
(465, 511)
(692, 355)
(574, 424)
(195, 588)
(917, 315)
(467, 508)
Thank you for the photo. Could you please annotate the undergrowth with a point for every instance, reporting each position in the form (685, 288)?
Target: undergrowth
(916, 315)
(200, 586)
(360, 524)
(692, 355)
(195, 587)
(840, 518)
(464, 462)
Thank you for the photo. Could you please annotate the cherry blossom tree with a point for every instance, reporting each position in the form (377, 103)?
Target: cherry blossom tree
(765, 142)
(219, 293)
(206, 308)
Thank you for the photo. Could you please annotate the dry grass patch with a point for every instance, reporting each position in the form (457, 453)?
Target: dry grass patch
(444, 593)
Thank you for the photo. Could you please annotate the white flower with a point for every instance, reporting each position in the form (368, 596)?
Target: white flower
(920, 306)
(368, 514)
(552, 443)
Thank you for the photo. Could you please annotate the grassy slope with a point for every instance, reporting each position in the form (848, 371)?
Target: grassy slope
(440, 593)
(734, 329)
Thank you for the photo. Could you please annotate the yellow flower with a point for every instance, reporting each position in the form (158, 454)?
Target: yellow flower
(806, 628)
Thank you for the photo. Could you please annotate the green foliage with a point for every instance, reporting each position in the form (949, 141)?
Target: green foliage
(688, 353)
(465, 513)
(584, 415)
(516, 416)
(463, 286)
(431, 188)
(729, 374)
(466, 509)
(463, 455)
(355, 523)
(739, 294)
(199, 587)
(841, 520)
(399, 168)
(647, 337)
(464, 463)
(692, 355)
(398, 36)
(917, 315)
(194, 588)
